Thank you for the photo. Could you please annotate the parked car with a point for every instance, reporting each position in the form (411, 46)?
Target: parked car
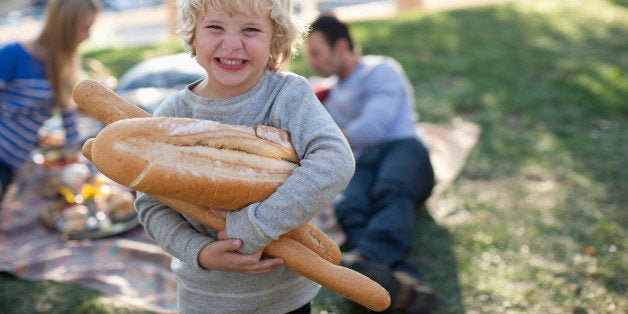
(149, 82)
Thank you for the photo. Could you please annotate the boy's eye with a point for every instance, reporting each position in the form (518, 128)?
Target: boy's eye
(213, 27)
(250, 29)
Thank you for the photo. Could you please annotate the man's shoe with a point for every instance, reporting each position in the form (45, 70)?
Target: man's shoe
(378, 273)
(414, 296)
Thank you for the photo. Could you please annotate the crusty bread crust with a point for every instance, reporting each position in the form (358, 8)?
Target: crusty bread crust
(344, 281)
(103, 104)
(316, 240)
(203, 162)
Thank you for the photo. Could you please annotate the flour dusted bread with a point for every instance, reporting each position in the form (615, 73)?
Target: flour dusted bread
(305, 249)
(204, 162)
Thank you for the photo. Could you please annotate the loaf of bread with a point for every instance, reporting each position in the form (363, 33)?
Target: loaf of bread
(306, 249)
(103, 104)
(200, 161)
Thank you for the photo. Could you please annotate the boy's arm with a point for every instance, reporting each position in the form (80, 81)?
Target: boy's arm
(326, 167)
(173, 232)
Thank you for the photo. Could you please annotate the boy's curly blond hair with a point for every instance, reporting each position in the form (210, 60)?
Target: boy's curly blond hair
(287, 31)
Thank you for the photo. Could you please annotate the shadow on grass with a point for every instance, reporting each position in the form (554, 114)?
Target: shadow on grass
(22, 296)
(434, 255)
(623, 3)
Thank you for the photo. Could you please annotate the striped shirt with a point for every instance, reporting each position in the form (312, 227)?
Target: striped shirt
(26, 103)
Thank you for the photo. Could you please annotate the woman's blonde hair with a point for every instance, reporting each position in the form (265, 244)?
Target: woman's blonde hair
(64, 19)
(287, 31)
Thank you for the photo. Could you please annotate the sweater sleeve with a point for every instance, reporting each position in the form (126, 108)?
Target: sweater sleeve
(383, 96)
(325, 169)
(171, 230)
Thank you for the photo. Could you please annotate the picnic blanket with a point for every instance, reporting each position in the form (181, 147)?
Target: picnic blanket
(132, 267)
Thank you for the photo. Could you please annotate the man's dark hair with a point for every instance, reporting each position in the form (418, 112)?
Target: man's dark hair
(332, 29)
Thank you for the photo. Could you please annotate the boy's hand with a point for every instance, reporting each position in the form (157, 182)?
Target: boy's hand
(223, 255)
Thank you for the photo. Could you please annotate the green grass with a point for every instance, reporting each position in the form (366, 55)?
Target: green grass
(537, 220)
(20, 296)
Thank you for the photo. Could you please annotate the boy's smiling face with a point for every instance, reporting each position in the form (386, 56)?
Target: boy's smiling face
(233, 50)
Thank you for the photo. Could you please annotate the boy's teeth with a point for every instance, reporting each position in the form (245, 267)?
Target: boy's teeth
(231, 62)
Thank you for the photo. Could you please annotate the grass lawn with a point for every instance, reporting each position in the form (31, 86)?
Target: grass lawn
(537, 221)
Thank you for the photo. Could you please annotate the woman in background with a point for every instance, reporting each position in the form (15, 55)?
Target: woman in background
(36, 81)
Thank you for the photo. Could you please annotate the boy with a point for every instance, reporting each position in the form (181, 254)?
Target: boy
(241, 45)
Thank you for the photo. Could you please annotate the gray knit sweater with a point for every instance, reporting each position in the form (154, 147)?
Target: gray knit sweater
(282, 100)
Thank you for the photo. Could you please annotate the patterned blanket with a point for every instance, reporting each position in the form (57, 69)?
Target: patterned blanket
(132, 267)
(129, 266)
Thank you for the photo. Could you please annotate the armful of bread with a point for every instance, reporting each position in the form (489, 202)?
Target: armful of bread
(266, 152)
(108, 107)
(201, 161)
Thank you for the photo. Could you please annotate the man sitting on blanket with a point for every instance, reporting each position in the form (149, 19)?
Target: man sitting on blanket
(373, 103)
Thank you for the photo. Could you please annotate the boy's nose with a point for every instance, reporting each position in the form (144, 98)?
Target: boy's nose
(232, 44)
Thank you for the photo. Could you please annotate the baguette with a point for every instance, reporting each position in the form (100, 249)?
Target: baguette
(344, 281)
(312, 254)
(200, 161)
(103, 104)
